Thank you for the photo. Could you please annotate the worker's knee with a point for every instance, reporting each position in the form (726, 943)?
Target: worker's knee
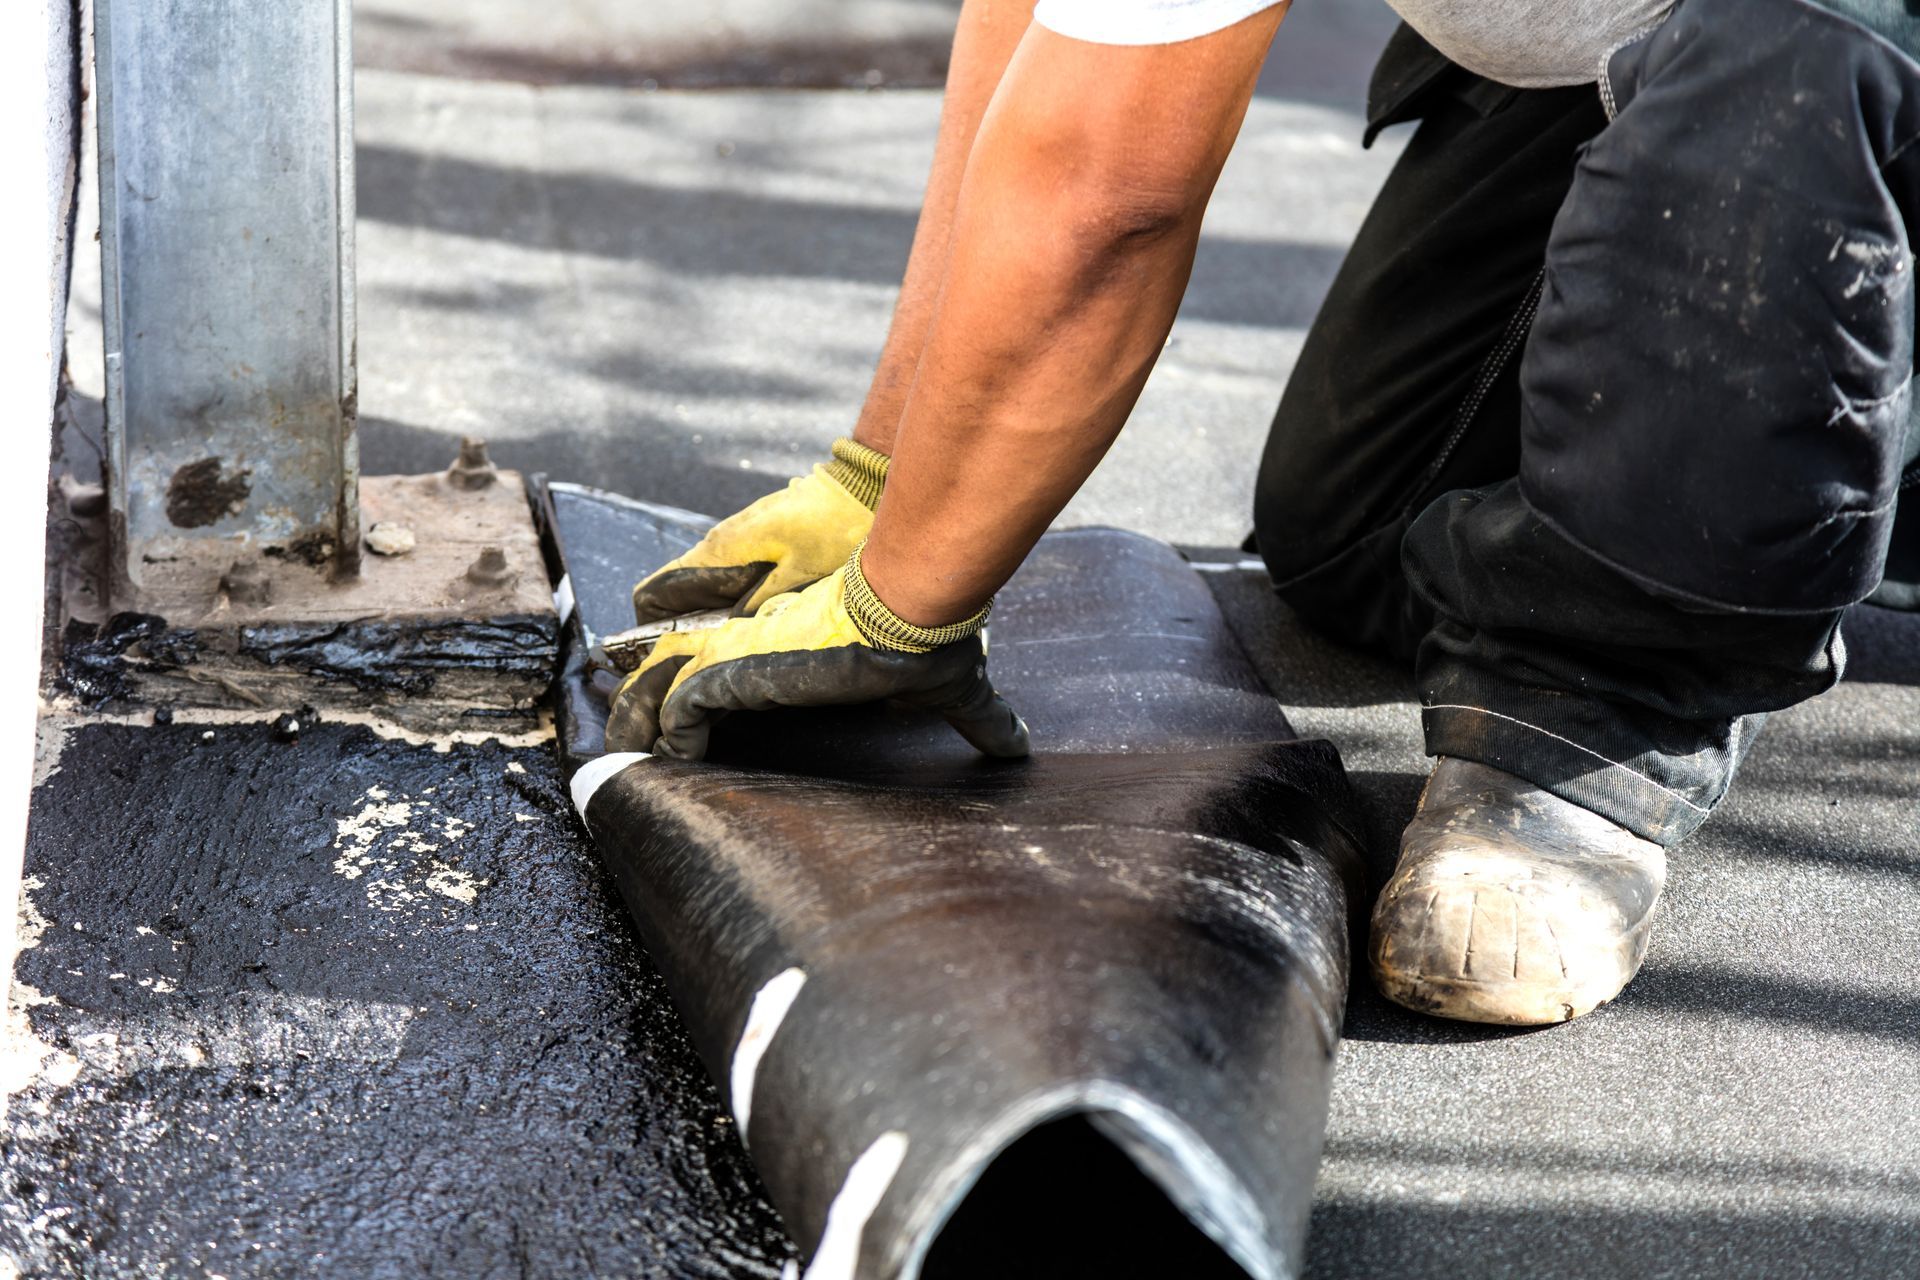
(1334, 553)
(1717, 384)
(1300, 521)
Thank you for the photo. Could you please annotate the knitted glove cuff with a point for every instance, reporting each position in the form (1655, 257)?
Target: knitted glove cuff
(859, 470)
(882, 628)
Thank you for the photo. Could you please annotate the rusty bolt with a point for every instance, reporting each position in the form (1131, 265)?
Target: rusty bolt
(246, 582)
(490, 569)
(473, 469)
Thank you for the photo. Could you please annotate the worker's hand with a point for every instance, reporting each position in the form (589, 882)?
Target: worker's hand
(833, 643)
(779, 544)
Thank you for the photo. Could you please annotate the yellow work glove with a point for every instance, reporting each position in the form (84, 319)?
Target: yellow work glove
(832, 644)
(779, 544)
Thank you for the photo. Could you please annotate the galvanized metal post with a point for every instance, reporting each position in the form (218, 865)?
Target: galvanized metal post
(226, 224)
(234, 493)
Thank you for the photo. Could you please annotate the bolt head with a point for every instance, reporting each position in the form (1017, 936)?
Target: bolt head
(490, 568)
(473, 469)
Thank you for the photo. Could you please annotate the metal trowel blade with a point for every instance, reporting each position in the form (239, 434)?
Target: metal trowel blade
(626, 650)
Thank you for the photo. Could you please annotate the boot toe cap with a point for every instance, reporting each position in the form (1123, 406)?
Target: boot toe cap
(1499, 937)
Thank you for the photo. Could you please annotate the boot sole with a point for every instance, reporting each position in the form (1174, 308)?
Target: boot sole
(1510, 1003)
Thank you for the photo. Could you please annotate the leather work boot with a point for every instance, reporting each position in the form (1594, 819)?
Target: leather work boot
(1510, 905)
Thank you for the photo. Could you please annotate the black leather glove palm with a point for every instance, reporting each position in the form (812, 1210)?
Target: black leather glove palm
(829, 645)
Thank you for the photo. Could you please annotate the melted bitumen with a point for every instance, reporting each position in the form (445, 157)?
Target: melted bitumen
(286, 1069)
(95, 660)
(406, 655)
(371, 654)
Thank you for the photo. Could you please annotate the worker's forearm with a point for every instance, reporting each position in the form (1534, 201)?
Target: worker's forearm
(1045, 337)
(1072, 243)
(987, 34)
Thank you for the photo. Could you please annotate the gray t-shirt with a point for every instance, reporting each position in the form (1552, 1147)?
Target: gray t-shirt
(1532, 44)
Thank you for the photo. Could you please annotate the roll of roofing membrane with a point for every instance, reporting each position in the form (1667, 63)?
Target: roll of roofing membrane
(1069, 1016)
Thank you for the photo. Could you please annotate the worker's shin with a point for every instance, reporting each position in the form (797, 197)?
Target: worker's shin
(1546, 663)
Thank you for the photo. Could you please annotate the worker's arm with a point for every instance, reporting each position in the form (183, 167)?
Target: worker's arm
(1073, 240)
(1071, 246)
(805, 531)
(983, 43)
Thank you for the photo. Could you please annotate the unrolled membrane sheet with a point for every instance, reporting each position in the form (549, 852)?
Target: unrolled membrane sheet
(1069, 1016)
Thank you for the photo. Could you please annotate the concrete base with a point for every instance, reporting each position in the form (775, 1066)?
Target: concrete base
(459, 618)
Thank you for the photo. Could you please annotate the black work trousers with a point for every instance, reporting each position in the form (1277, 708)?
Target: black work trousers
(1605, 421)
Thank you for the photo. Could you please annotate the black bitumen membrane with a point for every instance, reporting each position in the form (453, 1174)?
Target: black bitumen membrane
(303, 1051)
(976, 936)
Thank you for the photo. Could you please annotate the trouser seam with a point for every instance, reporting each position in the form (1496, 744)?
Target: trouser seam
(1607, 101)
(1469, 409)
(1608, 760)
(1490, 370)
